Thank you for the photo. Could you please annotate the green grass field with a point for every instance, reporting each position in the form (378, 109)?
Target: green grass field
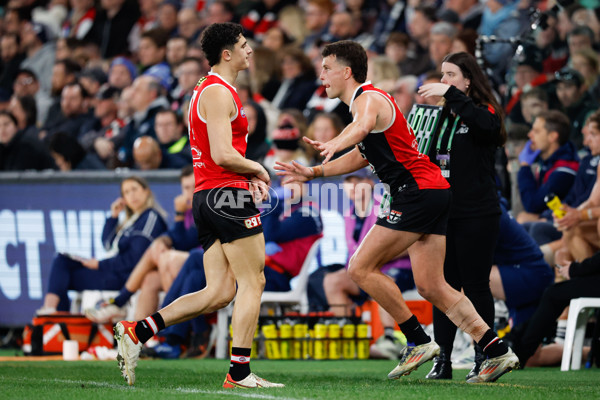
(304, 379)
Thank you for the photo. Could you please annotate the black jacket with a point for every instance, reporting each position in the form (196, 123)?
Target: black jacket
(21, 154)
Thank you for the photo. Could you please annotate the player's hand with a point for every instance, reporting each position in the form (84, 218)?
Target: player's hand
(263, 175)
(293, 172)
(433, 89)
(326, 150)
(116, 207)
(90, 263)
(259, 189)
(570, 220)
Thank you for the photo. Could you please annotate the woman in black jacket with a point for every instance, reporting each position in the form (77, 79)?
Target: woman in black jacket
(465, 151)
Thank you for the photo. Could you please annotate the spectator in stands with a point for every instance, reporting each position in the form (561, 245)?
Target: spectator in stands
(298, 80)
(64, 72)
(27, 84)
(587, 63)
(39, 51)
(396, 48)
(382, 72)
(276, 39)
(74, 117)
(440, 42)
(343, 25)
(18, 153)
(122, 73)
(92, 80)
(125, 243)
(318, 13)
(556, 164)
(15, 18)
(470, 12)
(532, 103)
(261, 16)
(429, 77)
(287, 140)
(167, 16)
(404, 92)
(69, 155)
(173, 140)
(219, 11)
(581, 37)
(25, 111)
(112, 25)
(80, 19)
(160, 263)
(419, 27)
(188, 73)
(153, 48)
(188, 24)
(107, 127)
(323, 128)
(575, 101)
(582, 279)
(10, 61)
(147, 98)
(341, 292)
(176, 50)
(146, 154)
(257, 131)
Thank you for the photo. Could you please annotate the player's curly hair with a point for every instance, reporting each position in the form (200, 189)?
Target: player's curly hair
(218, 37)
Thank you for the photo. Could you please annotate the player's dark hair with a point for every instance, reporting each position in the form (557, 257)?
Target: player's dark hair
(218, 37)
(351, 54)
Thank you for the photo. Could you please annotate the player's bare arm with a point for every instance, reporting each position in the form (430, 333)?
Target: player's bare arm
(296, 172)
(369, 111)
(217, 108)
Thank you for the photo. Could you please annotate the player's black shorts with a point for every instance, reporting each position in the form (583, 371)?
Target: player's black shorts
(226, 214)
(420, 211)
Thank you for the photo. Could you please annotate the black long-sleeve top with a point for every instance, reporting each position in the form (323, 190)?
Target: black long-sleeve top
(472, 152)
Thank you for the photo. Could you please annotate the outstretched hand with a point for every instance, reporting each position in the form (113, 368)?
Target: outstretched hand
(293, 172)
(327, 150)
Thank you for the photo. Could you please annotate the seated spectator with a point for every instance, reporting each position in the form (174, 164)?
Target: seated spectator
(556, 164)
(587, 63)
(167, 16)
(122, 73)
(544, 231)
(581, 279)
(532, 103)
(173, 140)
(69, 155)
(26, 84)
(147, 154)
(25, 111)
(92, 79)
(153, 49)
(160, 263)
(323, 128)
(440, 42)
(189, 24)
(112, 25)
(125, 244)
(257, 132)
(575, 101)
(298, 80)
(341, 292)
(107, 127)
(188, 73)
(287, 140)
(404, 92)
(80, 19)
(177, 48)
(147, 98)
(74, 117)
(39, 51)
(11, 58)
(17, 153)
(432, 76)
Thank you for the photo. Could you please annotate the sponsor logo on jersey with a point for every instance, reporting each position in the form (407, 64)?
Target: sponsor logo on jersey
(252, 222)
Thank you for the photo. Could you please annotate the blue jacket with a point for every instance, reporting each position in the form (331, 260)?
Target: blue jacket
(133, 242)
(553, 175)
(184, 234)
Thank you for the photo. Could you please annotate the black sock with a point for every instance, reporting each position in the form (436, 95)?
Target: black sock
(414, 332)
(492, 345)
(239, 368)
(123, 297)
(149, 326)
(389, 333)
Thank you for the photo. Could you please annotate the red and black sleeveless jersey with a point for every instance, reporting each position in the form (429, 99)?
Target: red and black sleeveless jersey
(393, 155)
(207, 173)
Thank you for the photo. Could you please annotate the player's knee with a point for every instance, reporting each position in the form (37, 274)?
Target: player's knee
(428, 290)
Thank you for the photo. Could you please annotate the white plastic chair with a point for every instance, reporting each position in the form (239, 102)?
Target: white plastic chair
(296, 296)
(579, 312)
